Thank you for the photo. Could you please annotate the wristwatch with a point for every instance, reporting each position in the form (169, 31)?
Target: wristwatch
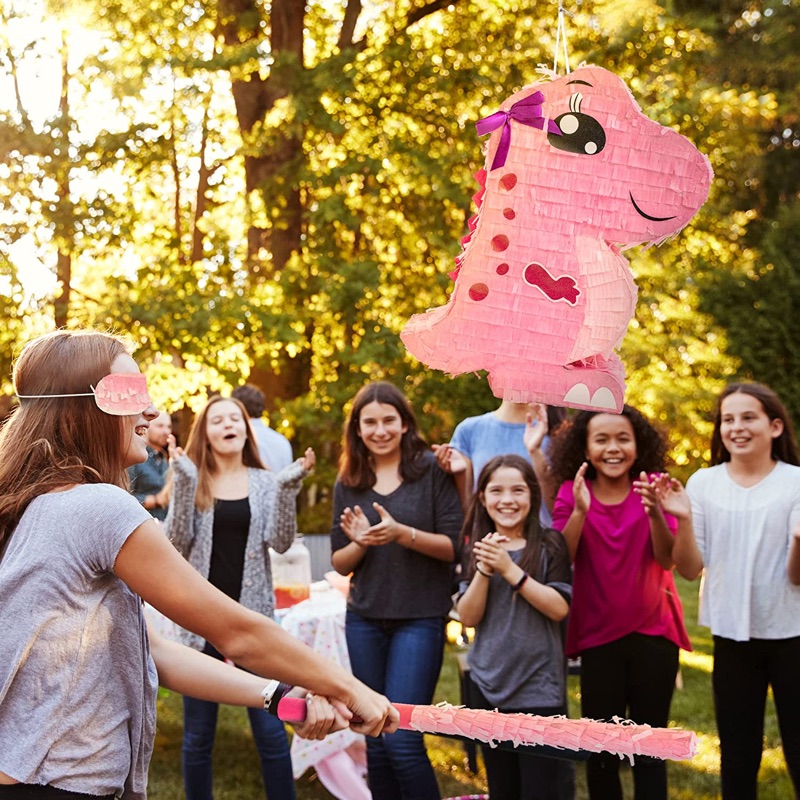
(269, 692)
(273, 693)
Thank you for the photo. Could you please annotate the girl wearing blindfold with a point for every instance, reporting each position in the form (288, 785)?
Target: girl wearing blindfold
(78, 555)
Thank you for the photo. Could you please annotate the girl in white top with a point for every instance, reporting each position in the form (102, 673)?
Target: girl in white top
(78, 555)
(739, 524)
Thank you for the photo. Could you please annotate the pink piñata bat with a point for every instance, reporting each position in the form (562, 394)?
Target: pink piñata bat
(620, 737)
(542, 294)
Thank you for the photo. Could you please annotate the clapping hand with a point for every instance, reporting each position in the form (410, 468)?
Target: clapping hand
(580, 490)
(355, 524)
(663, 493)
(491, 554)
(387, 530)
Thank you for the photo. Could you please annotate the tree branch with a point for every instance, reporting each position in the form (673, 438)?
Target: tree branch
(351, 15)
(12, 68)
(425, 11)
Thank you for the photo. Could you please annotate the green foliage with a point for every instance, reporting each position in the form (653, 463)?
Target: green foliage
(241, 208)
(759, 305)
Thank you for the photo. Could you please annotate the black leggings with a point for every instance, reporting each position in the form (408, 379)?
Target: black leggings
(30, 791)
(517, 775)
(742, 673)
(632, 677)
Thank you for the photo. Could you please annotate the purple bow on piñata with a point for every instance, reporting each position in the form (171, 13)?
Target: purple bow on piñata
(528, 111)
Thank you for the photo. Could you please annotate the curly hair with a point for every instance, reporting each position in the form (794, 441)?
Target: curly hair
(568, 446)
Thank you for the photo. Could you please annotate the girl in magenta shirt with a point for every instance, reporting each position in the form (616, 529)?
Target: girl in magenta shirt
(626, 621)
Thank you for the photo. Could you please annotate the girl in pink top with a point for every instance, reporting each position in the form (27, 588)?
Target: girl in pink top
(626, 620)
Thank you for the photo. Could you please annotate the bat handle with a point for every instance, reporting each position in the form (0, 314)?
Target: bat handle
(293, 710)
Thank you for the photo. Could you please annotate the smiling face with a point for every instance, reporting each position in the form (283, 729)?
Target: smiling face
(650, 179)
(507, 500)
(134, 426)
(745, 429)
(381, 428)
(226, 428)
(611, 446)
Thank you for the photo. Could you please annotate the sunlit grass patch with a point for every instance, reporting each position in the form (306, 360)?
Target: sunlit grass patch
(697, 660)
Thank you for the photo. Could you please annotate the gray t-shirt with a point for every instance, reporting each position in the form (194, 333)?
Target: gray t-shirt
(517, 659)
(77, 682)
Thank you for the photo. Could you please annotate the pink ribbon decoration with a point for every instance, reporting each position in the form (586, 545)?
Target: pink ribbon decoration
(528, 111)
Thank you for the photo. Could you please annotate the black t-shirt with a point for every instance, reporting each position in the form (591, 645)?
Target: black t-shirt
(231, 526)
(392, 581)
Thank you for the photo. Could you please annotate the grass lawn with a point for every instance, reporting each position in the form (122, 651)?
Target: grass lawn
(237, 774)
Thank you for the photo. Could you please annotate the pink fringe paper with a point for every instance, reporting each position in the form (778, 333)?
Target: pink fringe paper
(622, 737)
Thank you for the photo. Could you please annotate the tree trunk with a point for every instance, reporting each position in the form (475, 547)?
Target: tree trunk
(240, 22)
(64, 225)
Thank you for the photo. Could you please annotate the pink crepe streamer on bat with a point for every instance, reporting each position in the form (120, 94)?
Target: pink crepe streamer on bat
(542, 297)
(621, 737)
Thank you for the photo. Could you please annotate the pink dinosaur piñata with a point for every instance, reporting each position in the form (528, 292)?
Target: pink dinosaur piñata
(542, 294)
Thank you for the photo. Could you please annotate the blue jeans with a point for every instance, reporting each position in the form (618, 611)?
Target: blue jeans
(199, 729)
(401, 659)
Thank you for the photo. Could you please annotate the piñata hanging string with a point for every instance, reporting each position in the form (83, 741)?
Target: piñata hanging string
(561, 40)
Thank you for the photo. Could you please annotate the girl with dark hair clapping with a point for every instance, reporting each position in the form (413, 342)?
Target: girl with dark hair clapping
(626, 620)
(515, 593)
(396, 520)
(740, 526)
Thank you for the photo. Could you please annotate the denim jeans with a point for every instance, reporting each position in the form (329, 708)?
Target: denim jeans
(199, 729)
(401, 659)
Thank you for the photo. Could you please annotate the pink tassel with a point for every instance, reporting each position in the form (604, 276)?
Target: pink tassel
(621, 737)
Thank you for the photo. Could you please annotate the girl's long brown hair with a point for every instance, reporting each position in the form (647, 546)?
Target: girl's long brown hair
(784, 447)
(478, 523)
(355, 462)
(55, 442)
(198, 448)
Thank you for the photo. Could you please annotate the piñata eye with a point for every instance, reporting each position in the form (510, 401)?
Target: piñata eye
(580, 134)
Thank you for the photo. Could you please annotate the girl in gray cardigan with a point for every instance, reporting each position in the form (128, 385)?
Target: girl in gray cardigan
(226, 511)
